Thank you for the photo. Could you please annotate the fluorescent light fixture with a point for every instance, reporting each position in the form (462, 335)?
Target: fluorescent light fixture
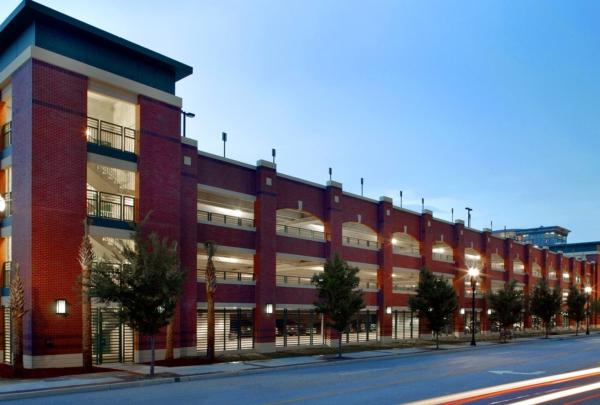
(61, 307)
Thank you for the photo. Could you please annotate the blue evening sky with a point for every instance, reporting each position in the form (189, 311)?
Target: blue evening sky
(490, 104)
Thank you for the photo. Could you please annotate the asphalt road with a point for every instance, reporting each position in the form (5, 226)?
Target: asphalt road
(382, 381)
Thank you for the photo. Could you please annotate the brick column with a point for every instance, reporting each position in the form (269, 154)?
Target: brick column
(49, 167)
(426, 239)
(188, 245)
(384, 275)
(459, 275)
(333, 230)
(528, 280)
(159, 189)
(486, 281)
(265, 216)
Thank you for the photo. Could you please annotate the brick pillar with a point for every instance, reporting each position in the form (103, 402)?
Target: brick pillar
(459, 276)
(426, 239)
(188, 245)
(159, 188)
(49, 168)
(528, 280)
(265, 216)
(486, 281)
(333, 230)
(384, 275)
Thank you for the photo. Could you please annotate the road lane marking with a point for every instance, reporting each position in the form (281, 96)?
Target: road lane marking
(560, 394)
(500, 372)
(482, 393)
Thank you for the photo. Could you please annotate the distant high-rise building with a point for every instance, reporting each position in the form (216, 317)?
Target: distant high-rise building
(542, 236)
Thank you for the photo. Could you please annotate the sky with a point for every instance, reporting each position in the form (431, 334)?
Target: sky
(488, 104)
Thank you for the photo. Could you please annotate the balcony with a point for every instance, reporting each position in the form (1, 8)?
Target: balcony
(109, 135)
(232, 277)
(294, 280)
(110, 206)
(222, 219)
(368, 284)
(8, 201)
(7, 134)
(6, 269)
(360, 243)
(303, 233)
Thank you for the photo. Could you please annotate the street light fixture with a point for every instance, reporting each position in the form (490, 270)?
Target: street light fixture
(588, 293)
(473, 274)
(186, 114)
(468, 216)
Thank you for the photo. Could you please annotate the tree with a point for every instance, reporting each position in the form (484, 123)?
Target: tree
(146, 287)
(435, 302)
(17, 312)
(86, 260)
(506, 305)
(211, 287)
(339, 298)
(545, 303)
(576, 301)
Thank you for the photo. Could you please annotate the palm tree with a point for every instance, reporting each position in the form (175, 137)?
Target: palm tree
(211, 286)
(17, 311)
(86, 260)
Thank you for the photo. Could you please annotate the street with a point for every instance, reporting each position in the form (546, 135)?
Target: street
(388, 380)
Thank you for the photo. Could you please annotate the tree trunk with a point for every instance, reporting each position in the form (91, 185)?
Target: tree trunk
(547, 330)
(340, 346)
(210, 323)
(577, 328)
(86, 320)
(152, 339)
(17, 345)
(169, 341)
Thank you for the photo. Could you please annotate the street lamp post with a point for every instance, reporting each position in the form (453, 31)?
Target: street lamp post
(186, 115)
(588, 293)
(473, 273)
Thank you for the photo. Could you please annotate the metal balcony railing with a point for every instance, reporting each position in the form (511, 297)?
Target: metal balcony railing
(227, 275)
(404, 287)
(207, 216)
(110, 206)
(8, 201)
(441, 257)
(368, 284)
(296, 232)
(406, 250)
(294, 280)
(6, 268)
(7, 134)
(110, 135)
(360, 243)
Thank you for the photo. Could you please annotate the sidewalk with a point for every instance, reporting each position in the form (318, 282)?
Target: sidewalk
(135, 375)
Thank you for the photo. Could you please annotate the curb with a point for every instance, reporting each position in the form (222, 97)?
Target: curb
(145, 381)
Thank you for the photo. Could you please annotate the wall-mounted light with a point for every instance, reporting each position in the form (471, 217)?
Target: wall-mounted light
(61, 307)
(489, 311)
(462, 311)
(388, 310)
(269, 308)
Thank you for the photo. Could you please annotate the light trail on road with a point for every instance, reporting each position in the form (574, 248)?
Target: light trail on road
(522, 386)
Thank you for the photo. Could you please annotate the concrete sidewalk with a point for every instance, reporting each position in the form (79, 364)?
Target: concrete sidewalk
(132, 375)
